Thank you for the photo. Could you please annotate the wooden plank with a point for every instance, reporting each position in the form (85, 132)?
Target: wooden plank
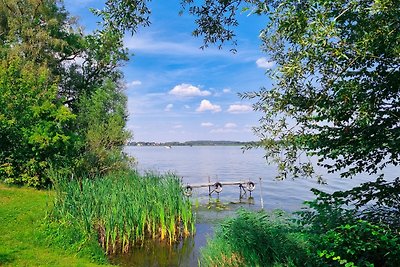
(213, 184)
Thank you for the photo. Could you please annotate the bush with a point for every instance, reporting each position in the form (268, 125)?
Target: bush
(357, 227)
(360, 244)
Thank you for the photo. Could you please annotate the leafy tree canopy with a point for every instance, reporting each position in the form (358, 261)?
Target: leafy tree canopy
(57, 123)
(35, 128)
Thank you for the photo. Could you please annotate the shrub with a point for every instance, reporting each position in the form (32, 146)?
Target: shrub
(357, 227)
(360, 244)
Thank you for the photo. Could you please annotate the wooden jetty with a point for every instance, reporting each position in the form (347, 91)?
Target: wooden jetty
(244, 187)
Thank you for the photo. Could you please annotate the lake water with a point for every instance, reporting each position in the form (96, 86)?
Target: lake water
(229, 163)
(224, 164)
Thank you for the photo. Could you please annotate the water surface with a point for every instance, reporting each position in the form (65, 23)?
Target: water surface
(229, 163)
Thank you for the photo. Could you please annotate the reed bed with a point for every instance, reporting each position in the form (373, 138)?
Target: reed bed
(126, 208)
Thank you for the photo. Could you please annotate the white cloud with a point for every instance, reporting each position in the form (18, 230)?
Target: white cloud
(226, 90)
(151, 43)
(177, 126)
(133, 83)
(230, 125)
(206, 105)
(188, 90)
(239, 108)
(187, 106)
(169, 107)
(207, 124)
(262, 62)
(224, 130)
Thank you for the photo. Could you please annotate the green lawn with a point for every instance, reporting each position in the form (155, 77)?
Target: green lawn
(21, 212)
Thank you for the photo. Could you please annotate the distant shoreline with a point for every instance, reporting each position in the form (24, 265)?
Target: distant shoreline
(195, 143)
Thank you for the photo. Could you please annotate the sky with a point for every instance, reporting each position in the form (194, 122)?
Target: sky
(178, 92)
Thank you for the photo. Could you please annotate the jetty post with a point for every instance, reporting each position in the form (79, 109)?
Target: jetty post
(261, 195)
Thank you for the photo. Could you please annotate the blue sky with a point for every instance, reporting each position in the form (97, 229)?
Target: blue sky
(178, 92)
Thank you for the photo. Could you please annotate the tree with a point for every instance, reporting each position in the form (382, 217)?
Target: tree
(86, 88)
(102, 120)
(35, 128)
(336, 91)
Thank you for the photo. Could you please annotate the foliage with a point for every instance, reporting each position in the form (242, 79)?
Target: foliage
(120, 16)
(34, 125)
(85, 80)
(38, 30)
(376, 202)
(336, 94)
(102, 120)
(24, 240)
(124, 208)
(358, 227)
(360, 244)
(257, 239)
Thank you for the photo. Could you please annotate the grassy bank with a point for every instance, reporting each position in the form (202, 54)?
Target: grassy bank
(21, 240)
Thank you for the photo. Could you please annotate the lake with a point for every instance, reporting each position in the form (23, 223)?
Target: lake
(224, 164)
(229, 163)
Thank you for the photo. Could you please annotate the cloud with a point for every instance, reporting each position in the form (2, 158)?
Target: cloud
(207, 124)
(226, 90)
(224, 130)
(263, 63)
(177, 126)
(148, 44)
(187, 90)
(169, 107)
(133, 83)
(186, 106)
(230, 125)
(174, 45)
(206, 105)
(239, 108)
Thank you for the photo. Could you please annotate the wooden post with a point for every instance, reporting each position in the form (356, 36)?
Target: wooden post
(261, 194)
(209, 187)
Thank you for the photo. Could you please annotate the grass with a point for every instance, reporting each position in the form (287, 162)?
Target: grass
(123, 209)
(257, 239)
(22, 211)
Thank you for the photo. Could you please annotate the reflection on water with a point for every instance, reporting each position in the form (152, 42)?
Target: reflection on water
(156, 253)
(187, 252)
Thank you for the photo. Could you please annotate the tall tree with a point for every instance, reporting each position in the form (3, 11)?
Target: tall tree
(85, 74)
(337, 79)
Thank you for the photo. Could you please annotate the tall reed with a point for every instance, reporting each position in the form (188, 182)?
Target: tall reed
(125, 208)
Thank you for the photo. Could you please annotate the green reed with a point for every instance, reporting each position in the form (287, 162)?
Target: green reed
(125, 208)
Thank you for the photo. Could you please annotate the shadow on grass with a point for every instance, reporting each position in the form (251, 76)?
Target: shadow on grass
(6, 258)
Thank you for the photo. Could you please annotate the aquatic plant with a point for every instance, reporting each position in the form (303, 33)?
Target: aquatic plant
(125, 208)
